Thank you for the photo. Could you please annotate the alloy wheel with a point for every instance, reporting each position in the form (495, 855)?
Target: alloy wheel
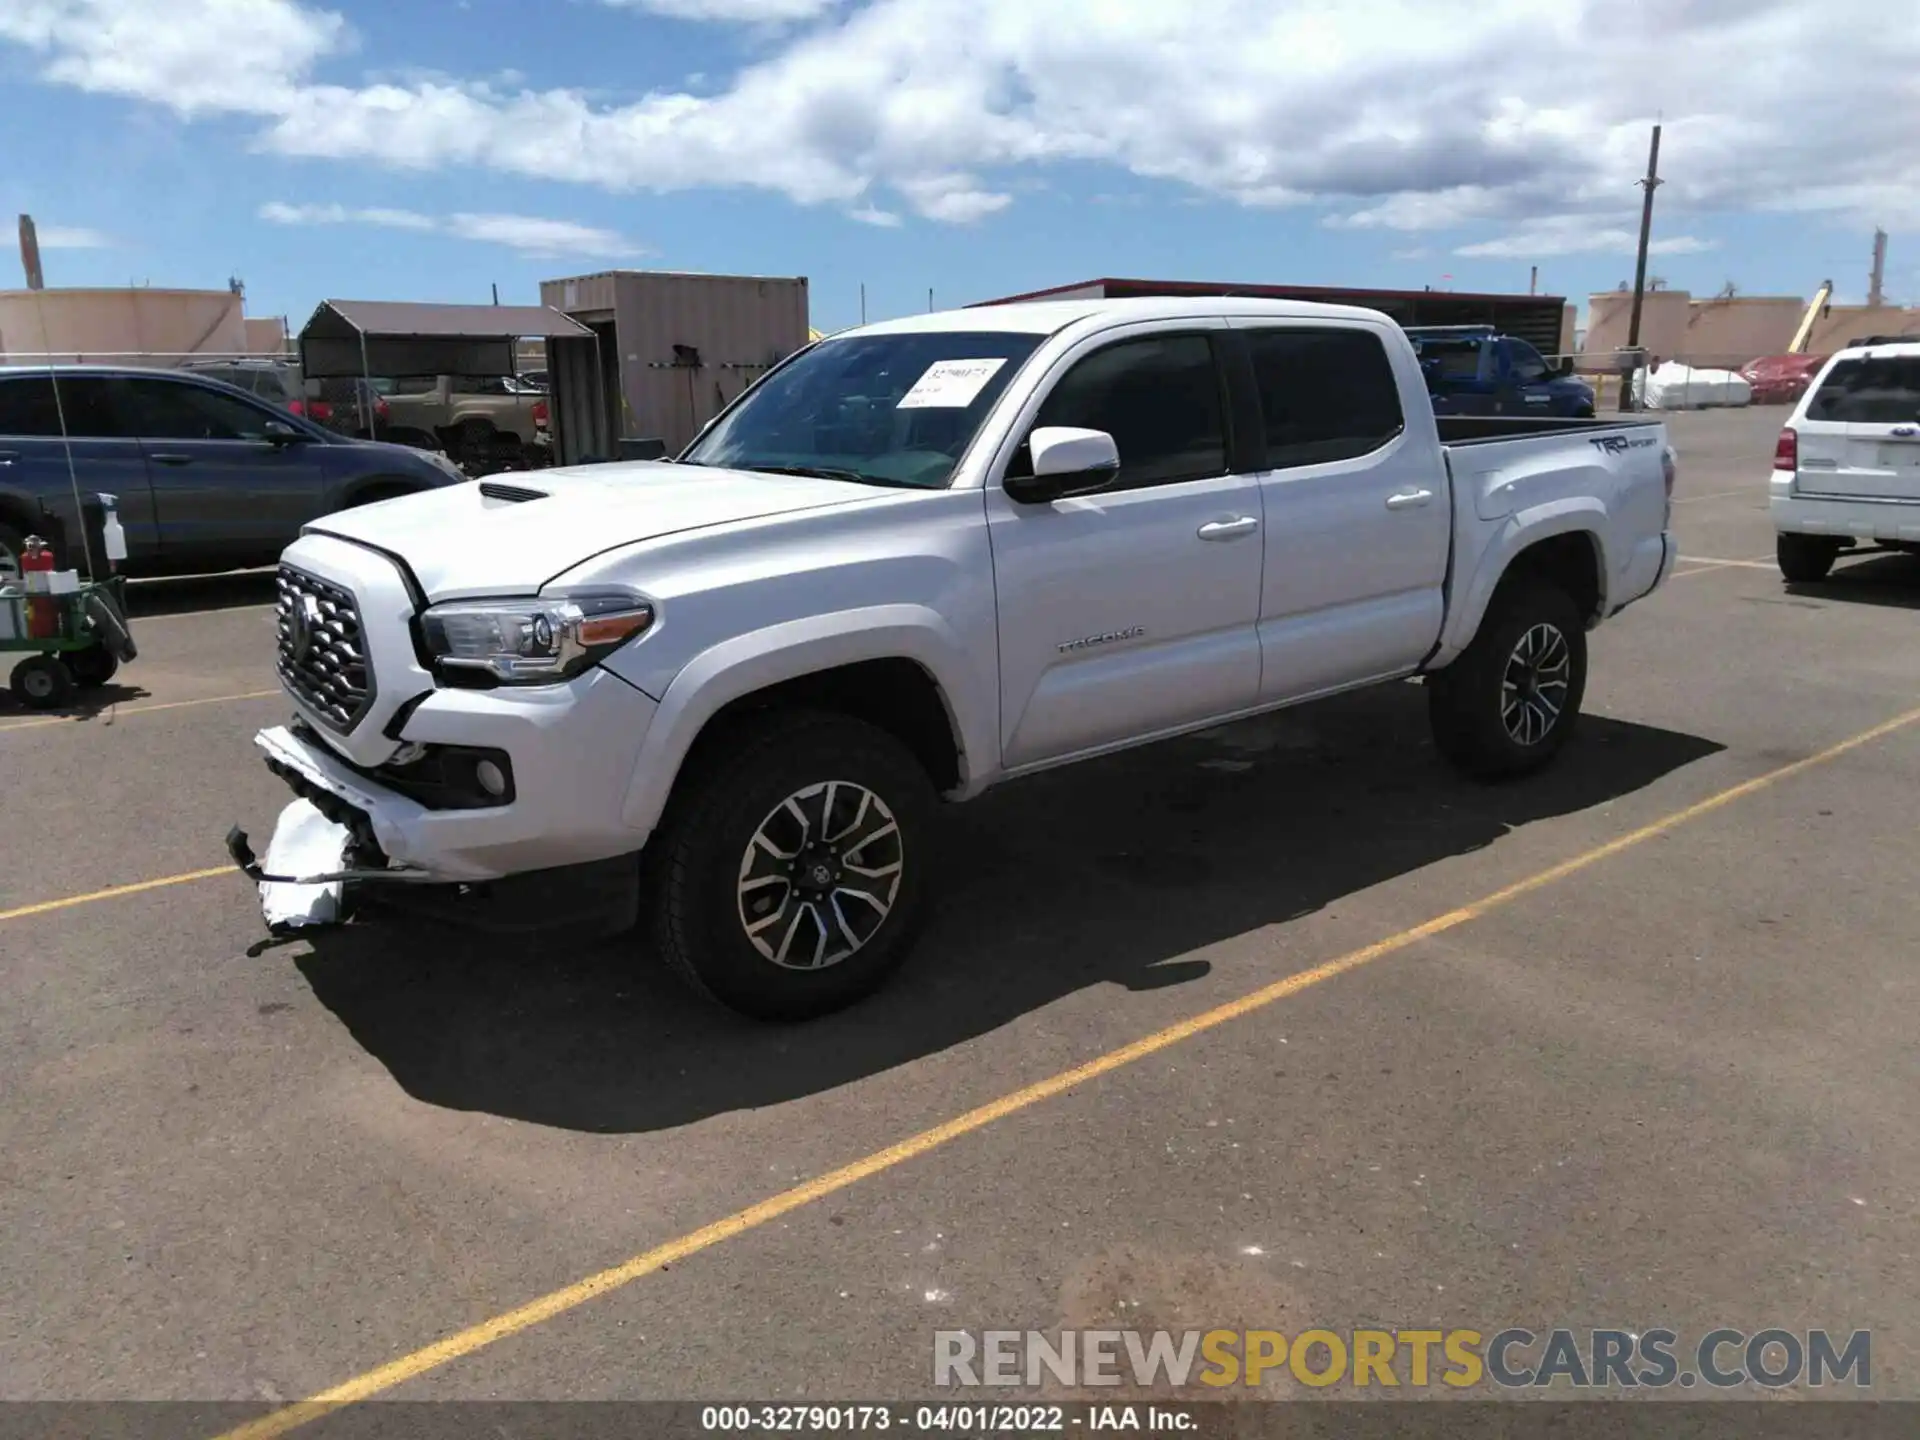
(1533, 688)
(820, 875)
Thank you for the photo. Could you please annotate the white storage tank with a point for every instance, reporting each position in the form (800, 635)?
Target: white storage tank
(126, 324)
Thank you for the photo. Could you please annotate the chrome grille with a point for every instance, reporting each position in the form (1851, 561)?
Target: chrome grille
(323, 658)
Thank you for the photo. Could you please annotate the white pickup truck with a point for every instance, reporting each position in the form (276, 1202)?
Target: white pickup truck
(919, 559)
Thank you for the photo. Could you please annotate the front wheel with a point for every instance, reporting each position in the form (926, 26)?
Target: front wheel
(789, 876)
(42, 682)
(1805, 559)
(1509, 702)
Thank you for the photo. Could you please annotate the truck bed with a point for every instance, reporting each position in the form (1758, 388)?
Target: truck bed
(1484, 429)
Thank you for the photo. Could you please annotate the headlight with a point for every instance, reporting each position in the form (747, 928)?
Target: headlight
(532, 641)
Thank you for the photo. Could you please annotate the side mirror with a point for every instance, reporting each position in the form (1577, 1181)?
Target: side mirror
(1067, 461)
(278, 432)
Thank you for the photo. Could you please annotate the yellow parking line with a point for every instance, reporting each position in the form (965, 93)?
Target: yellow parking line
(113, 892)
(116, 711)
(558, 1302)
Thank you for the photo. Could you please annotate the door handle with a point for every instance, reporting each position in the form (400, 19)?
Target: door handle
(170, 458)
(1229, 529)
(1408, 499)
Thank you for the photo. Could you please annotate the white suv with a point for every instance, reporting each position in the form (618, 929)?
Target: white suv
(1846, 470)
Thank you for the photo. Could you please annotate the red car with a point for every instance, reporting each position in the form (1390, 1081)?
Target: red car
(1781, 379)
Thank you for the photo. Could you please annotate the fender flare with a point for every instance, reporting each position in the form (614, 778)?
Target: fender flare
(743, 664)
(1523, 529)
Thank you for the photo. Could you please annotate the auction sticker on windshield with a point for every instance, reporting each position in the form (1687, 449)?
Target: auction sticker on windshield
(949, 384)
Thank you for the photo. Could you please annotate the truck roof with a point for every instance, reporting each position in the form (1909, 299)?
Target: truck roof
(1045, 317)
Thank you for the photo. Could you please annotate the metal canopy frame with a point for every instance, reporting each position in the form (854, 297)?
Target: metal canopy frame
(349, 339)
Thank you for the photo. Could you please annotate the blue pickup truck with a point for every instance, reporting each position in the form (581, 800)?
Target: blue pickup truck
(1475, 370)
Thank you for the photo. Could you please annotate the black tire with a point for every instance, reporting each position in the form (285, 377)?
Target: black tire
(92, 667)
(1805, 559)
(739, 787)
(41, 682)
(111, 625)
(1475, 723)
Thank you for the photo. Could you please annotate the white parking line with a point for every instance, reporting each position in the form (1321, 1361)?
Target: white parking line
(1717, 495)
(1714, 563)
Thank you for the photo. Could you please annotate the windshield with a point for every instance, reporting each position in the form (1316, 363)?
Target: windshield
(886, 409)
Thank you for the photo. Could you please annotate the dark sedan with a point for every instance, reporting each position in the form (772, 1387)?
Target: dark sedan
(207, 476)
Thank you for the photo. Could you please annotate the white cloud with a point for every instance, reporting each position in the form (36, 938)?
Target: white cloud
(872, 215)
(194, 56)
(1579, 235)
(1390, 114)
(71, 237)
(281, 213)
(531, 235)
(1417, 252)
(731, 10)
(542, 238)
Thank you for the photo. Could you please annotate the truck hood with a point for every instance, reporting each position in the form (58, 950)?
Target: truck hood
(462, 541)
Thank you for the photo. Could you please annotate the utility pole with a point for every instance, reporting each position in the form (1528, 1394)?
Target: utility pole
(496, 292)
(863, 302)
(929, 299)
(1650, 184)
(30, 254)
(1533, 280)
(1874, 291)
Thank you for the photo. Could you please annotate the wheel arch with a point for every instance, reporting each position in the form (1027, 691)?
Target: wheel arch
(1563, 543)
(898, 667)
(364, 490)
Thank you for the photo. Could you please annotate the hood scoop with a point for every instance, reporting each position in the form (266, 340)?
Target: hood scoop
(515, 494)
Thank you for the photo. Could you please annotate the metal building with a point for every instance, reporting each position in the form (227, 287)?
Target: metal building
(676, 347)
(1540, 320)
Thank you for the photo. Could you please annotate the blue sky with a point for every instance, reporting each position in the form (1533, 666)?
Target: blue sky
(977, 147)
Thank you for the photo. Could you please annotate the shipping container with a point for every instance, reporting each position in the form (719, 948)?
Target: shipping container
(677, 347)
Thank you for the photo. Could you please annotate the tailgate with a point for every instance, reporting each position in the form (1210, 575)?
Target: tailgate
(1873, 462)
(1861, 438)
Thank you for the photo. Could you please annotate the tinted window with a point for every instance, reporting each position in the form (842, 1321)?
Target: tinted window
(26, 406)
(93, 407)
(1869, 392)
(1452, 360)
(1158, 397)
(165, 410)
(1325, 394)
(1528, 367)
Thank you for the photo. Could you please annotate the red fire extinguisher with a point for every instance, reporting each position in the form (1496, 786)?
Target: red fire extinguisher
(43, 611)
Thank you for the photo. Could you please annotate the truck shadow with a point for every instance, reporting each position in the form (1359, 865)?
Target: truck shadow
(1111, 872)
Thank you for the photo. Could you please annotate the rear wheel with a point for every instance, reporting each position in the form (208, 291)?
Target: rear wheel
(1510, 702)
(93, 667)
(789, 877)
(1805, 558)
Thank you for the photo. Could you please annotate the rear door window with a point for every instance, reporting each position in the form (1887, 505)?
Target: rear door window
(1869, 391)
(1325, 395)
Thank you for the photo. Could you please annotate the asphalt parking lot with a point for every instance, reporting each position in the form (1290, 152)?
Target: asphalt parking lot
(1624, 1045)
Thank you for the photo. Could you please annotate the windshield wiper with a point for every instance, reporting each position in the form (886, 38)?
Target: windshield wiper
(830, 472)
